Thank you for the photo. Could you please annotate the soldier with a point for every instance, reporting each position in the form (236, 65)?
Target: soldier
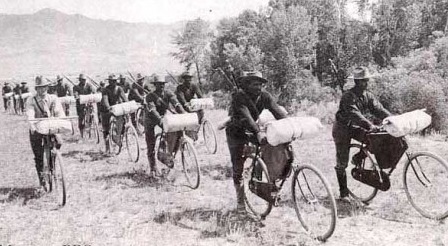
(23, 89)
(6, 89)
(17, 92)
(157, 103)
(124, 84)
(83, 88)
(63, 89)
(42, 105)
(351, 122)
(111, 95)
(187, 91)
(245, 108)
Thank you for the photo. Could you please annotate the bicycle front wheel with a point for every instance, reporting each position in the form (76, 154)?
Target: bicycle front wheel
(114, 138)
(358, 190)
(425, 180)
(314, 202)
(190, 163)
(132, 145)
(256, 205)
(209, 134)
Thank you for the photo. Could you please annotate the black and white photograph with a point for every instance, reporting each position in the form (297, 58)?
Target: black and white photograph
(236, 122)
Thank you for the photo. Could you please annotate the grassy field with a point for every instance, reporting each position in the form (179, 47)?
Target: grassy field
(114, 202)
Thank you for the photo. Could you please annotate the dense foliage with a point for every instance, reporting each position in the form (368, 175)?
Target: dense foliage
(307, 49)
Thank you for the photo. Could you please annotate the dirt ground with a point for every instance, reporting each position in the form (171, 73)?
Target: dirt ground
(114, 202)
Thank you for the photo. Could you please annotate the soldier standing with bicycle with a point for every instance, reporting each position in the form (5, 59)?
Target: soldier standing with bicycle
(6, 89)
(157, 104)
(351, 122)
(111, 95)
(83, 88)
(63, 89)
(245, 108)
(42, 105)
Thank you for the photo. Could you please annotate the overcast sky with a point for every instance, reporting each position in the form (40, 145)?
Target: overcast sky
(160, 11)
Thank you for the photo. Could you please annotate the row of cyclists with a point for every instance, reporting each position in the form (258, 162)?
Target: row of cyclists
(156, 104)
(246, 105)
(14, 102)
(247, 102)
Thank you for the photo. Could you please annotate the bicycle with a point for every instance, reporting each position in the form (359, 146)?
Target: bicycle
(91, 128)
(189, 160)
(52, 170)
(128, 133)
(312, 196)
(425, 174)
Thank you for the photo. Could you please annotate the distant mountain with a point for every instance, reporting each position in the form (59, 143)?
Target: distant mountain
(50, 42)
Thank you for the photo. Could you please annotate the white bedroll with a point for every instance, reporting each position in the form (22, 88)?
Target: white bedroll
(52, 125)
(67, 99)
(289, 129)
(266, 116)
(410, 122)
(23, 96)
(125, 108)
(8, 95)
(91, 98)
(180, 122)
(202, 103)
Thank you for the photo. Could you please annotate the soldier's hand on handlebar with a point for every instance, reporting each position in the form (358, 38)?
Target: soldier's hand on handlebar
(374, 128)
(261, 138)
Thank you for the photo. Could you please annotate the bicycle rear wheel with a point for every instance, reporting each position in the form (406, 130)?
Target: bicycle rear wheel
(358, 190)
(190, 163)
(132, 144)
(209, 134)
(314, 202)
(139, 116)
(257, 205)
(92, 129)
(114, 137)
(425, 180)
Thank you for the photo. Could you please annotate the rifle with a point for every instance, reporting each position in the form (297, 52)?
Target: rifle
(68, 80)
(174, 78)
(132, 76)
(93, 81)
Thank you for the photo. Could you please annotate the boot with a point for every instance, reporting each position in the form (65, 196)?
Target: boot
(241, 206)
(154, 171)
(342, 181)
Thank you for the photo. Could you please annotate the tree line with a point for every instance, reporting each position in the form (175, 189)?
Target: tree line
(307, 49)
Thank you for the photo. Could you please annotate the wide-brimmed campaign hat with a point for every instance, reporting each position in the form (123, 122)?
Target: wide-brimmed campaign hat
(112, 77)
(23, 83)
(247, 76)
(157, 79)
(82, 76)
(361, 73)
(139, 77)
(58, 78)
(186, 74)
(40, 82)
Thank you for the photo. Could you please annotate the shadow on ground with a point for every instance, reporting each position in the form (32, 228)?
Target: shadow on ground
(137, 178)
(84, 156)
(217, 172)
(18, 195)
(212, 223)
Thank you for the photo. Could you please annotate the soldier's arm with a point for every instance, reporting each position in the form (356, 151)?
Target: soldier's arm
(377, 108)
(198, 91)
(348, 104)
(173, 100)
(273, 107)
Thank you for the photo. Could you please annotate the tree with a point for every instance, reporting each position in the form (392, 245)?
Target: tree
(194, 45)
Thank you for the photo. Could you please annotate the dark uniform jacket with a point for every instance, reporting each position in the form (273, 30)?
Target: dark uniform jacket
(244, 111)
(24, 89)
(353, 109)
(137, 92)
(111, 96)
(63, 89)
(185, 93)
(125, 85)
(6, 89)
(85, 89)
